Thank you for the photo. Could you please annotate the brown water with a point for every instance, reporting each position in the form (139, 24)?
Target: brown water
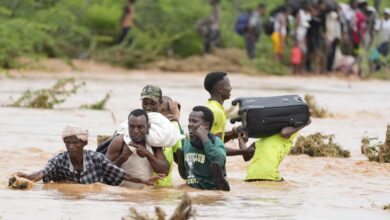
(315, 188)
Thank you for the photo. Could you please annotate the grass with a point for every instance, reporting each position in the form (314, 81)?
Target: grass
(48, 98)
(318, 145)
(379, 152)
(99, 105)
(315, 110)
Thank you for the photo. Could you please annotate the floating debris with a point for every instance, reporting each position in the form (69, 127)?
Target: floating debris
(379, 152)
(100, 105)
(183, 211)
(315, 110)
(47, 98)
(318, 145)
(16, 182)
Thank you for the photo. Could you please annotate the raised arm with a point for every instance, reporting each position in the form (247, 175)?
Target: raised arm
(117, 151)
(286, 132)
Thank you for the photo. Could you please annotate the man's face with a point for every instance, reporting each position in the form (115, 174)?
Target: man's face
(138, 128)
(194, 121)
(224, 88)
(150, 105)
(74, 146)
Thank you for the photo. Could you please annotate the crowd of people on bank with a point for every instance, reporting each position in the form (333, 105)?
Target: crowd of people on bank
(317, 36)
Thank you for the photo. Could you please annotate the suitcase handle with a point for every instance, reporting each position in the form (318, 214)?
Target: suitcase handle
(234, 120)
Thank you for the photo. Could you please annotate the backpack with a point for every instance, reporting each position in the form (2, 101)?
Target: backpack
(269, 25)
(242, 24)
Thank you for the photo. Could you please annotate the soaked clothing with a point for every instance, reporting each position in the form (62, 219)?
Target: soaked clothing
(219, 118)
(168, 153)
(269, 153)
(197, 162)
(96, 168)
(137, 166)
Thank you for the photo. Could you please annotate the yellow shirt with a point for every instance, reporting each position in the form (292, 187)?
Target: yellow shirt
(269, 153)
(219, 118)
(168, 153)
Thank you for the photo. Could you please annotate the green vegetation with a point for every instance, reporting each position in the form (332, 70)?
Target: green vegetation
(48, 98)
(99, 105)
(318, 145)
(71, 29)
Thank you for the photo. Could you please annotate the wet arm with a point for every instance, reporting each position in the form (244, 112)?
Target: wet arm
(115, 152)
(230, 135)
(158, 161)
(286, 132)
(36, 176)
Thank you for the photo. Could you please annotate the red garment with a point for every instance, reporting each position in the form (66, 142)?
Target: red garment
(358, 27)
(296, 55)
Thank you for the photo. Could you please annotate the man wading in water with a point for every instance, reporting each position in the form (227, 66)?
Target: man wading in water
(204, 153)
(134, 155)
(82, 166)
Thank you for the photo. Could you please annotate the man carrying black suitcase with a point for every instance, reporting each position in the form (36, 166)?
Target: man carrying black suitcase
(267, 153)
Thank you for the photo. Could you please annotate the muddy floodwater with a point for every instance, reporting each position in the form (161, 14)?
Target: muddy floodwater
(315, 188)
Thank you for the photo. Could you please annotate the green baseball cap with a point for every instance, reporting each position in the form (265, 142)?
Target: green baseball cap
(151, 92)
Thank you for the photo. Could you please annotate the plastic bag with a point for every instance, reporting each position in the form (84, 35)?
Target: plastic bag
(162, 133)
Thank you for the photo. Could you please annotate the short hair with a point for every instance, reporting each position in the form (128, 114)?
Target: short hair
(207, 114)
(139, 112)
(212, 79)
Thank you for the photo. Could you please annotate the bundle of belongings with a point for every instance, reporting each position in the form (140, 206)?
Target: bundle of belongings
(265, 116)
(162, 133)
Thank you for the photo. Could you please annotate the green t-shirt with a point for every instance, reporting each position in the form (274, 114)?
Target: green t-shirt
(197, 162)
(168, 153)
(269, 153)
(219, 118)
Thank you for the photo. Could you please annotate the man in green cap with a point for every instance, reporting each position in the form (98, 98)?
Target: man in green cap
(152, 101)
(151, 97)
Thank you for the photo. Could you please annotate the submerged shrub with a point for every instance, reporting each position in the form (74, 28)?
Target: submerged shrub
(318, 145)
(48, 98)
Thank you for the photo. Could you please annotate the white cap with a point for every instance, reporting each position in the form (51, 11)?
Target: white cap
(387, 11)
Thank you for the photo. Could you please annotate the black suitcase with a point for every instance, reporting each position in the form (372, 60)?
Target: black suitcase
(265, 116)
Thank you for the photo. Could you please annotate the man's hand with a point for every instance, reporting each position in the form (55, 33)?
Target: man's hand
(141, 149)
(242, 138)
(201, 132)
(175, 112)
(153, 179)
(20, 174)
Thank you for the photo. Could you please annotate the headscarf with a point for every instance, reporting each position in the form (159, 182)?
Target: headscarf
(80, 133)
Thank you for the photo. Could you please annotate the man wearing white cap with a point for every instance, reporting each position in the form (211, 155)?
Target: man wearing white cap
(82, 166)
